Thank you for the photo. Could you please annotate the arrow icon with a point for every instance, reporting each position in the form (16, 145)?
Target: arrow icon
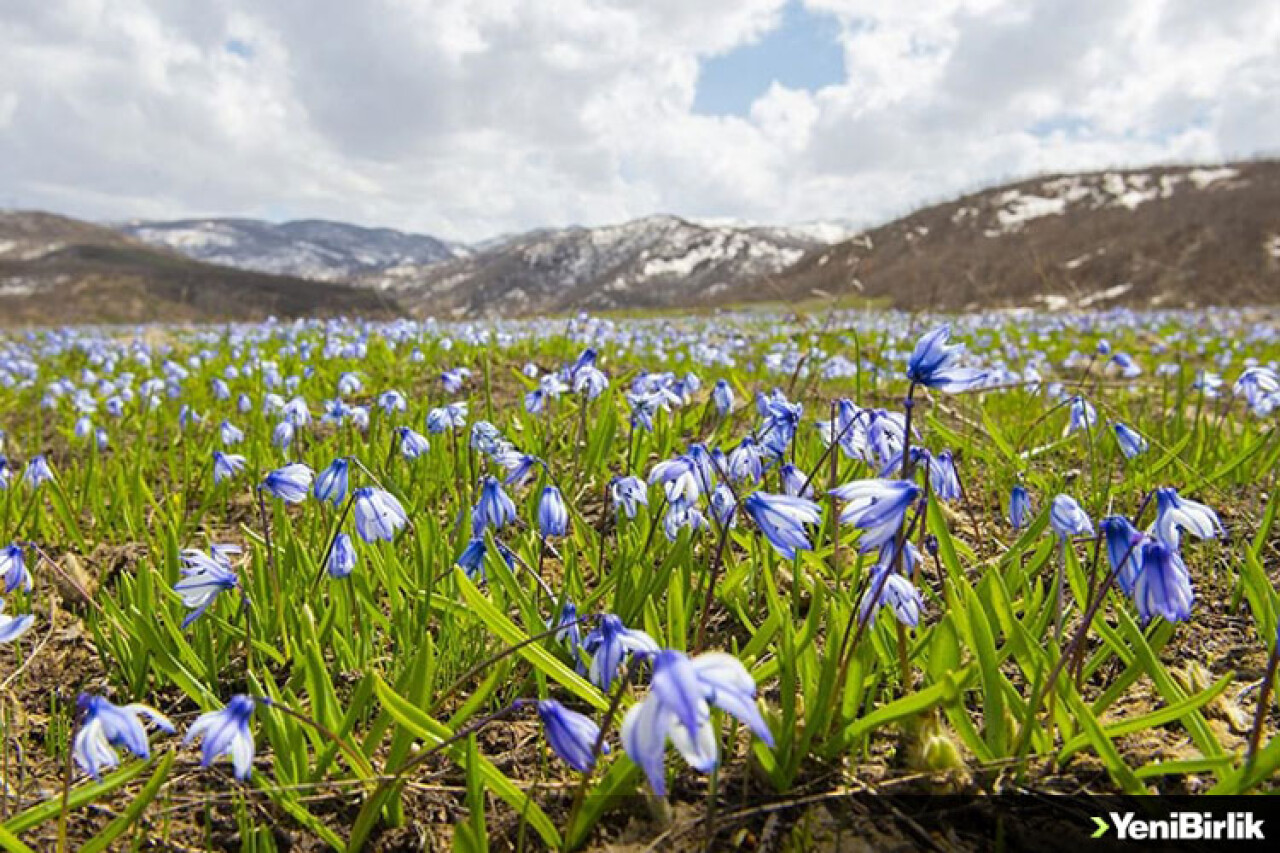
(1102, 828)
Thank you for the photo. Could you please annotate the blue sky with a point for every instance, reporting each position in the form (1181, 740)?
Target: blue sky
(802, 52)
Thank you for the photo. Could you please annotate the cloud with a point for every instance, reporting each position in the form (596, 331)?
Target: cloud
(468, 118)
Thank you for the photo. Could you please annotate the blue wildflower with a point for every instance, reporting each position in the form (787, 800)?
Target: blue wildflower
(342, 557)
(226, 465)
(412, 444)
(610, 643)
(230, 433)
(1124, 550)
(932, 364)
(572, 736)
(682, 513)
(104, 726)
(943, 478)
(1083, 415)
(1019, 506)
(331, 485)
(290, 483)
(378, 514)
(38, 471)
(282, 435)
(203, 578)
(227, 732)
(877, 507)
(896, 592)
(1130, 440)
(1175, 513)
(1163, 587)
(722, 397)
(13, 567)
(13, 627)
(553, 517)
(1068, 519)
(494, 508)
(627, 494)
(781, 518)
(678, 707)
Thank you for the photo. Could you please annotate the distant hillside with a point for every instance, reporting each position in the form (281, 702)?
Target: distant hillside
(657, 262)
(310, 248)
(59, 270)
(1176, 236)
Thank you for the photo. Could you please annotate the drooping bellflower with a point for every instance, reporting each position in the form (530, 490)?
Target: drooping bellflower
(933, 364)
(1130, 440)
(13, 627)
(1175, 513)
(782, 519)
(1124, 550)
(331, 485)
(290, 483)
(227, 732)
(1163, 586)
(1019, 506)
(13, 568)
(226, 465)
(204, 577)
(342, 557)
(572, 736)
(610, 643)
(1068, 519)
(553, 516)
(378, 514)
(877, 507)
(104, 726)
(494, 508)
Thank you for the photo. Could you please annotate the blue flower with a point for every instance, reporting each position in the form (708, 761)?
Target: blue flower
(1019, 507)
(493, 509)
(392, 401)
(13, 627)
(104, 726)
(1124, 550)
(13, 566)
(570, 630)
(226, 732)
(679, 477)
(412, 444)
(203, 578)
(609, 643)
(452, 380)
(520, 466)
(590, 381)
(331, 485)
(231, 434)
(794, 481)
(38, 471)
(1131, 442)
(1163, 587)
(722, 504)
(627, 494)
(877, 507)
(553, 517)
(896, 592)
(746, 462)
(1083, 415)
(282, 435)
(342, 558)
(471, 560)
(722, 397)
(943, 478)
(678, 707)
(781, 518)
(378, 514)
(290, 483)
(1175, 513)
(572, 736)
(452, 416)
(682, 513)
(226, 465)
(932, 364)
(1068, 519)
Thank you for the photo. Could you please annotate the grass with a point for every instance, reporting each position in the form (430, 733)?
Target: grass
(383, 681)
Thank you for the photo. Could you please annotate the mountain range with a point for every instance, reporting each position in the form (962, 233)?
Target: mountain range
(1171, 236)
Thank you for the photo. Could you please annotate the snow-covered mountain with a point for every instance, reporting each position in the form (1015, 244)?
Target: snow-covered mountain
(310, 248)
(1165, 235)
(657, 261)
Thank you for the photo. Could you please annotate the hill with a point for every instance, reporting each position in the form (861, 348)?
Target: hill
(1170, 236)
(57, 270)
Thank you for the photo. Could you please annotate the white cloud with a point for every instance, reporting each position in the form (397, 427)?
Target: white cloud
(467, 118)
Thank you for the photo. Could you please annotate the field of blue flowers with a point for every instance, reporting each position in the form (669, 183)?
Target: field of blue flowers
(555, 584)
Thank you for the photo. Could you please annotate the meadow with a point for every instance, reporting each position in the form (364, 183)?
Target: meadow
(562, 583)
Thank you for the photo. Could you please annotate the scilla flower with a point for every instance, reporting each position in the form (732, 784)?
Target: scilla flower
(13, 568)
(572, 736)
(679, 478)
(1083, 415)
(678, 707)
(412, 444)
(610, 643)
(290, 483)
(896, 592)
(204, 577)
(331, 485)
(722, 397)
(38, 471)
(1068, 519)
(282, 435)
(378, 514)
(1124, 550)
(553, 517)
(1175, 513)
(781, 518)
(794, 481)
(943, 478)
(1163, 587)
(932, 364)
(877, 507)
(1130, 440)
(1019, 507)
(226, 465)
(627, 494)
(13, 627)
(226, 732)
(104, 726)
(494, 508)
(342, 558)
(231, 434)
(682, 513)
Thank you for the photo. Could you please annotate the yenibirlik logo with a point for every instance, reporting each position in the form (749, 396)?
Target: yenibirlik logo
(1182, 826)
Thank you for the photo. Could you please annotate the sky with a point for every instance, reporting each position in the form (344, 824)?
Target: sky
(471, 118)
